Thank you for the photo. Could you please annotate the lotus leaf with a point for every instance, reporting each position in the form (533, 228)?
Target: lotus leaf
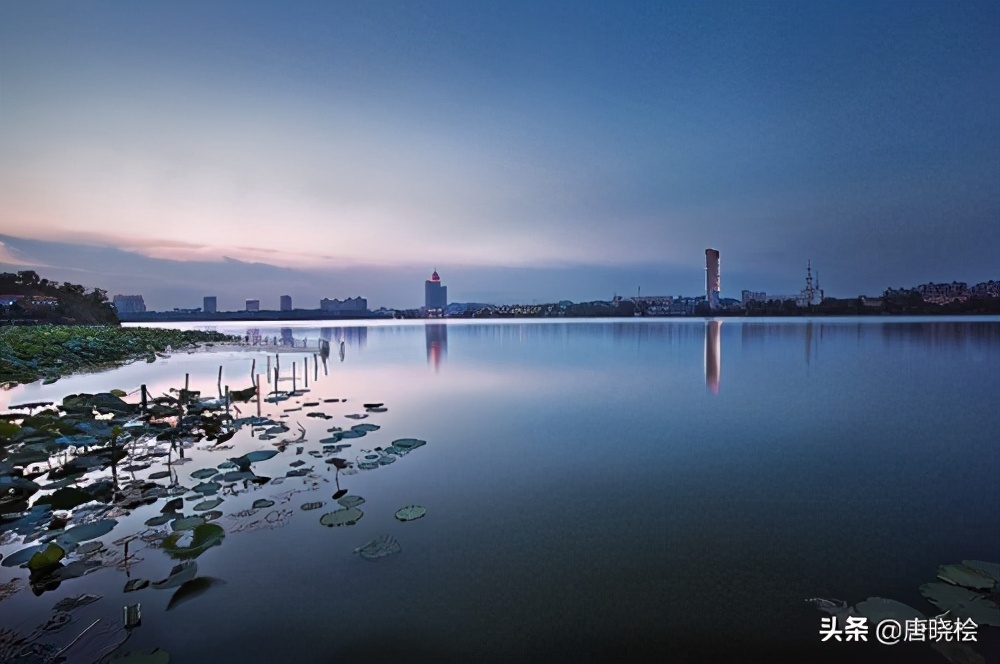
(356, 416)
(71, 603)
(204, 473)
(262, 503)
(381, 409)
(136, 584)
(378, 548)
(158, 520)
(159, 475)
(211, 516)
(366, 427)
(967, 577)
(207, 488)
(206, 505)
(992, 569)
(87, 531)
(877, 609)
(89, 548)
(410, 512)
(311, 506)
(65, 499)
(407, 444)
(351, 501)
(203, 537)
(47, 557)
(345, 517)
(186, 523)
(962, 602)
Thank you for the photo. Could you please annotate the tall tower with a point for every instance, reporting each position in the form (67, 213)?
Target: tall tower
(713, 286)
(435, 295)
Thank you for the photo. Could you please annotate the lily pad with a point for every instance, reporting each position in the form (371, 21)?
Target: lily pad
(311, 506)
(203, 537)
(968, 577)
(158, 520)
(65, 499)
(351, 501)
(356, 416)
(262, 503)
(405, 445)
(380, 547)
(206, 505)
(204, 473)
(962, 602)
(178, 575)
(21, 557)
(159, 475)
(207, 488)
(191, 589)
(991, 569)
(365, 427)
(186, 523)
(135, 584)
(71, 603)
(410, 512)
(877, 609)
(87, 531)
(345, 517)
(47, 557)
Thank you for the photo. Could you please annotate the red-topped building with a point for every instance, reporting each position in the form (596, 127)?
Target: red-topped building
(435, 295)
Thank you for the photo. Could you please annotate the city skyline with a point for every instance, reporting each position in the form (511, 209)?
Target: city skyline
(559, 150)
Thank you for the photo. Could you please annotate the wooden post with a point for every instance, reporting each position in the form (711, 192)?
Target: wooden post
(315, 367)
(187, 379)
(293, 376)
(220, 381)
(227, 399)
(305, 370)
(144, 409)
(253, 368)
(269, 368)
(258, 395)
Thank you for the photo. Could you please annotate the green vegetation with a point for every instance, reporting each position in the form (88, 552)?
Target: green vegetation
(30, 353)
(47, 301)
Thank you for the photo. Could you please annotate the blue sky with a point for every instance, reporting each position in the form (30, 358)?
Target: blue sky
(529, 151)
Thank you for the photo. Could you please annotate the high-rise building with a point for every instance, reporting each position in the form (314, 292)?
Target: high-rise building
(253, 305)
(350, 305)
(713, 286)
(435, 295)
(209, 304)
(286, 302)
(129, 304)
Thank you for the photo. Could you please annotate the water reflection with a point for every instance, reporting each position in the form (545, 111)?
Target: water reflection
(713, 355)
(356, 337)
(436, 337)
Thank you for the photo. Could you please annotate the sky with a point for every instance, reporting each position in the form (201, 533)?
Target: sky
(529, 151)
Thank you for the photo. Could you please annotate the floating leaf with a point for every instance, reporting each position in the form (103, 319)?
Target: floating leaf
(410, 512)
(204, 473)
(365, 427)
(158, 520)
(405, 445)
(186, 523)
(356, 416)
(990, 569)
(351, 501)
(262, 503)
(380, 409)
(87, 531)
(71, 603)
(135, 584)
(178, 575)
(968, 577)
(378, 548)
(21, 557)
(203, 537)
(65, 499)
(206, 505)
(344, 517)
(207, 488)
(311, 506)
(47, 557)
(962, 602)
(877, 609)
(372, 405)
(159, 475)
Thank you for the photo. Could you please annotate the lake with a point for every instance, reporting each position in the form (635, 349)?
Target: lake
(594, 490)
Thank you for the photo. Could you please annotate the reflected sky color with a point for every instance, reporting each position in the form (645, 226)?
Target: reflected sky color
(554, 140)
(583, 487)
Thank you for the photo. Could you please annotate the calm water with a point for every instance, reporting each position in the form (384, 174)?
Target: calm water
(596, 491)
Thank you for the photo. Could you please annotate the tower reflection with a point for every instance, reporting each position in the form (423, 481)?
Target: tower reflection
(713, 355)
(437, 344)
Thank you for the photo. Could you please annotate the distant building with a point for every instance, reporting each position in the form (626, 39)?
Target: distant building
(253, 305)
(753, 296)
(350, 305)
(209, 305)
(435, 294)
(811, 294)
(286, 302)
(713, 285)
(129, 304)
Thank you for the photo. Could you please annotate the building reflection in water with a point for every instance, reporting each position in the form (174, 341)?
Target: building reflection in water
(356, 337)
(437, 344)
(713, 355)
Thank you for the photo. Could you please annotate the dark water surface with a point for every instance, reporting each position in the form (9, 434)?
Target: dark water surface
(595, 491)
